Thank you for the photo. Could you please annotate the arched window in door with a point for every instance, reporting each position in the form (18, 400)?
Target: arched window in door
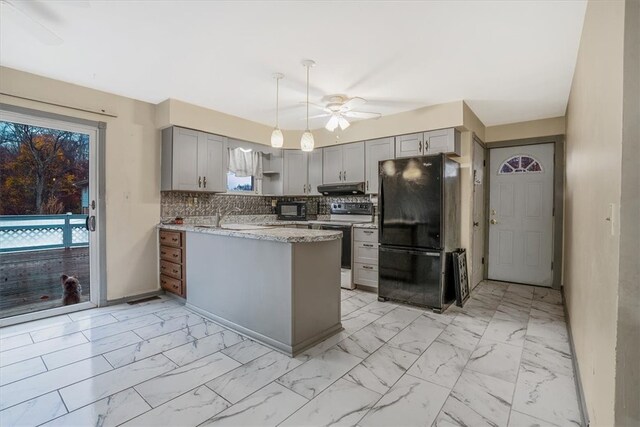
(520, 164)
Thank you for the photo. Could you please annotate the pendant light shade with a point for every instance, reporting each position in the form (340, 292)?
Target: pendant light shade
(307, 142)
(277, 139)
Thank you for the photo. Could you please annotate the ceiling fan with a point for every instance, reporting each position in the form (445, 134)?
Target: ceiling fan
(340, 108)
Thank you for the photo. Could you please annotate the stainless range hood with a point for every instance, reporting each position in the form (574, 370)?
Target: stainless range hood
(353, 188)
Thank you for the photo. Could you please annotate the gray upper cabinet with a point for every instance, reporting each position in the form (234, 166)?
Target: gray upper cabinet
(193, 161)
(375, 151)
(442, 141)
(353, 162)
(302, 172)
(343, 163)
(332, 165)
(315, 171)
(409, 145)
(295, 173)
(431, 142)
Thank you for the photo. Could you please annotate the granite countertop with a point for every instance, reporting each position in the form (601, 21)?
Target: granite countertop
(366, 225)
(285, 235)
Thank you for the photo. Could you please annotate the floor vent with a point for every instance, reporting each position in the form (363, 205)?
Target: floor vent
(138, 301)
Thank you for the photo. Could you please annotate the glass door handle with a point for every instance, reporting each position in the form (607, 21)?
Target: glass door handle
(90, 223)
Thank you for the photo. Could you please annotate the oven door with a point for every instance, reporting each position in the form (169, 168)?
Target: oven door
(346, 240)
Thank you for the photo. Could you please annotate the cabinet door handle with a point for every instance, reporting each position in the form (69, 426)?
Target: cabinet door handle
(367, 267)
(204, 182)
(340, 176)
(420, 146)
(366, 245)
(367, 185)
(344, 175)
(199, 182)
(368, 232)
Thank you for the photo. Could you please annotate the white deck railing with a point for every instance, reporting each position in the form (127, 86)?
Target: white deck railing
(36, 232)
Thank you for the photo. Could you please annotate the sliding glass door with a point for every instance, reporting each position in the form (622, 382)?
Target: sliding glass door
(48, 217)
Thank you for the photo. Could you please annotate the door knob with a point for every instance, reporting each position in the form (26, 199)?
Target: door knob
(493, 221)
(476, 224)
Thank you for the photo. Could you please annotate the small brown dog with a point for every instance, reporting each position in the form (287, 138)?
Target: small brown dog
(71, 290)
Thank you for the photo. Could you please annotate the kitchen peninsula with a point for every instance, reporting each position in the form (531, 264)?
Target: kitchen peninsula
(279, 286)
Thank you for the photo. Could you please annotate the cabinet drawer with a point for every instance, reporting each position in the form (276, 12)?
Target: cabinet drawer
(170, 238)
(170, 284)
(171, 269)
(365, 274)
(365, 235)
(171, 254)
(365, 253)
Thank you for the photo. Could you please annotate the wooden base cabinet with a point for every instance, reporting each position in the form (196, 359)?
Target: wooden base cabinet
(173, 262)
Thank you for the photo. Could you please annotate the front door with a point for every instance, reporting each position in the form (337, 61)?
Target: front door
(477, 252)
(521, 214)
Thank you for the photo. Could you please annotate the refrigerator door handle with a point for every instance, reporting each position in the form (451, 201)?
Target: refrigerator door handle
(409, 251)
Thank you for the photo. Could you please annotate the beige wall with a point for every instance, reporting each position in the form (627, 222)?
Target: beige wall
(593, 159)
(530, 129)
(132, 172)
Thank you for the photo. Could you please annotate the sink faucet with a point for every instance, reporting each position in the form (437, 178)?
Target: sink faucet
(222, 213)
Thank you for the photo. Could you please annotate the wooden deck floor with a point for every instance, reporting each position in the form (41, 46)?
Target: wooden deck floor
(30, 281)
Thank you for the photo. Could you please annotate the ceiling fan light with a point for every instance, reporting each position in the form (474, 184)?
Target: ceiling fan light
(307, 142)
(344, 123)
(332, 124)
(277, 139)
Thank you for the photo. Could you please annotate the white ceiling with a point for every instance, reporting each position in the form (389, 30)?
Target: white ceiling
(510, 60)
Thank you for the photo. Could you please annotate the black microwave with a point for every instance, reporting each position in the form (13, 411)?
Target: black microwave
(292, 211)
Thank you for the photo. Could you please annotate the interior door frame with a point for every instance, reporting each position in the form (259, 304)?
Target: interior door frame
(97, 162)
(558, 197)
(475, 139)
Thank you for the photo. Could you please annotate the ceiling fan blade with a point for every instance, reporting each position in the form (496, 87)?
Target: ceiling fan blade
(332, 124)
(353, 103)
(33, 26)
(317, 116)
(344, 123)
(361, 115)
(321, 107)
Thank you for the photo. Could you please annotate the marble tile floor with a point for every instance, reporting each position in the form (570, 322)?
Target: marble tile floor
(502, 360)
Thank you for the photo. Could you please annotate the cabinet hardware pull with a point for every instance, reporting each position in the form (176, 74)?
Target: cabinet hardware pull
(175, 255)
(344, 175)
(199, 182)
(204, 182)
(340, 176)
(368, 267)
(366, 245)
(368, 232)
(420, 146)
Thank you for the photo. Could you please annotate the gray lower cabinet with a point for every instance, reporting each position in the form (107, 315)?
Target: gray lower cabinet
(193, 161)
(425, 143)
(343, 163)
(365, 257)
(375, 151)
(302, 172)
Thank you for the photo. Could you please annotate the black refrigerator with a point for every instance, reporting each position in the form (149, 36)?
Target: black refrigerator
(419, 227)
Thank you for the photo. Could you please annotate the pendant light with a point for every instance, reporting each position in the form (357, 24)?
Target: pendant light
(306, 142)
(277, 139)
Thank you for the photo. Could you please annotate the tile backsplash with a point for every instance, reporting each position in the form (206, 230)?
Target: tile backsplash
(186, 204)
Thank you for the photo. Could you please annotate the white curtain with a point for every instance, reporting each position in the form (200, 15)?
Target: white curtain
(244, 162)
